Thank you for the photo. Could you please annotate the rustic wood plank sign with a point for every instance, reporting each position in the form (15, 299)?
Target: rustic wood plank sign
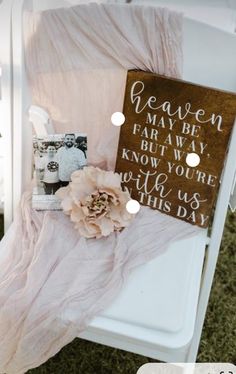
(166, 120)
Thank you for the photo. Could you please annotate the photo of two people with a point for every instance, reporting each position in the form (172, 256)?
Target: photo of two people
(56, 157)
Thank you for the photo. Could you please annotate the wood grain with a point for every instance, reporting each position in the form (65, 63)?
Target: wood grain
(167, 119)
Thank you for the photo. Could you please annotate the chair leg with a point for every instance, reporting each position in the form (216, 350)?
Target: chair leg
(207, 279)
(193, 348)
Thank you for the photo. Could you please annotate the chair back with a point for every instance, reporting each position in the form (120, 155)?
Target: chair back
(204, 63)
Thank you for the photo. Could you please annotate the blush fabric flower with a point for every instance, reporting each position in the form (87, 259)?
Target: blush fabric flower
(95, 202)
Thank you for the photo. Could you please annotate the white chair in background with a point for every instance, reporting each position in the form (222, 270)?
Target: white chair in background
(160, 312)
(6, 110)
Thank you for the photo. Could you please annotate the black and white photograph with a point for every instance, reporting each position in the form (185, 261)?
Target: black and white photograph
(56, 157)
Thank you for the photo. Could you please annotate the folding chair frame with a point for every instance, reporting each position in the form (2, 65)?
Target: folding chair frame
(18, 134)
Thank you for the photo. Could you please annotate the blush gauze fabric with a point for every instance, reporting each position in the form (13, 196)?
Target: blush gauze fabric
(77, 60)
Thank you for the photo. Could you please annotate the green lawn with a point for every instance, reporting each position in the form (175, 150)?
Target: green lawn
(218, 343)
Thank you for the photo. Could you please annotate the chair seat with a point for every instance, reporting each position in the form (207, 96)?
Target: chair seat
(159, 302)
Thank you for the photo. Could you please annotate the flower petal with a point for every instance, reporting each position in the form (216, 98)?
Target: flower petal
(95, 202)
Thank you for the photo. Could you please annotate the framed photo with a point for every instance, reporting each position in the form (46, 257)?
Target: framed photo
(56, 157)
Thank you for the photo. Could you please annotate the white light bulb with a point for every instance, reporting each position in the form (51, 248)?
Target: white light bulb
(117, 119)
(133, 206)
(192, 159)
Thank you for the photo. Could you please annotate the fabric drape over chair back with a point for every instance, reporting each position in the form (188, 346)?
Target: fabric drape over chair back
(77, 59)
(55, 281)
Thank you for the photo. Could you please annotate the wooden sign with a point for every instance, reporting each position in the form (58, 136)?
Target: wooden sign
(170, 124)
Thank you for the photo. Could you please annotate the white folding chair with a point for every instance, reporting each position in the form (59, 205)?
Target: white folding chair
(161, 310)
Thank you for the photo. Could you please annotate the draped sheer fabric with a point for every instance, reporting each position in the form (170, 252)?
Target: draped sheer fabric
(77, 59)
(78, 72)
(133, 37)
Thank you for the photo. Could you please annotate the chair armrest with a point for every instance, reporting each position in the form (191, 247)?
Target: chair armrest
(41, 121)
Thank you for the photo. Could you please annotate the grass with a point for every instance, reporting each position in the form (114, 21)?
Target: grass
(218, 342)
